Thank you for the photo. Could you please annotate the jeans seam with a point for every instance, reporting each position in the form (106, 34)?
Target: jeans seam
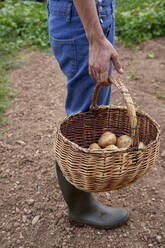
(48, 11)
(75, 56)
(74, 63)
(62, 41)
(58, 13)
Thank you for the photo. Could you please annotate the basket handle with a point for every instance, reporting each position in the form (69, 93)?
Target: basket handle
(129, 104)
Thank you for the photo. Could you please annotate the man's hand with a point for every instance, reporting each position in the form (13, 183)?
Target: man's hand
(100, 54)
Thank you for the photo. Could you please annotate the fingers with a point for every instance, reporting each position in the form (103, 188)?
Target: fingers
(92, 73)
(98, 74)
(116, 62)
(99, 61)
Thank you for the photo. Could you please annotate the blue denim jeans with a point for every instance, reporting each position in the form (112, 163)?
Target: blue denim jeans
(70, 47)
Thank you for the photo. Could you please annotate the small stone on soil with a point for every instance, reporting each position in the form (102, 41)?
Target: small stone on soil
(35, 219)
(17, 210)
(16, 224)
(30, 202)
(24, 218)
(20, 142)
(25, 210)
(158, 238)
(9, 227)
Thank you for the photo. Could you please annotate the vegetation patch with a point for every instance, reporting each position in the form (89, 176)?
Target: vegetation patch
(137, 21)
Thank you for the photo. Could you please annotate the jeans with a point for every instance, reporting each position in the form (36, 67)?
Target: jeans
(70, 47)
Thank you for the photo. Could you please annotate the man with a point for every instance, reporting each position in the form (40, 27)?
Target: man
(81, 35)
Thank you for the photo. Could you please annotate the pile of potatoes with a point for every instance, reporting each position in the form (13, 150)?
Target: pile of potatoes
(109, 141)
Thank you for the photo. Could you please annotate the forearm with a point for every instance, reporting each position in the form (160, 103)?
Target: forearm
(89, 17)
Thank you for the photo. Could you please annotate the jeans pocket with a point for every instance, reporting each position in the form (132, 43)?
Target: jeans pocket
(65, 53)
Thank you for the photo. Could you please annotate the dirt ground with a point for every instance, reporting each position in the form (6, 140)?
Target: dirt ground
(33, 213)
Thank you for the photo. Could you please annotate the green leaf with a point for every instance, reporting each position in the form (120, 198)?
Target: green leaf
(150, 55)
(160, 95)
(131, 76)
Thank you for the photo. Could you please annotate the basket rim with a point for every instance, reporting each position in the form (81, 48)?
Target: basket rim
(122, 150)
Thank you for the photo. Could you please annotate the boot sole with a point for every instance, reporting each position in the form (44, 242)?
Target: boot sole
(80, 224)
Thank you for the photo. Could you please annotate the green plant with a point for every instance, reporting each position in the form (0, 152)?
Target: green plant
(23, 24)
(4, 97)
(150, 55)
(131, 76)
(160, 95)
(140, 20)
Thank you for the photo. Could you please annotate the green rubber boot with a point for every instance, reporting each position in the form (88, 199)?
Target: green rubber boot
(84, 209)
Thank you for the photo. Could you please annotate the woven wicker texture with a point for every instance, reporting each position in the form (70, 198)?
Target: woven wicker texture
(105, 170)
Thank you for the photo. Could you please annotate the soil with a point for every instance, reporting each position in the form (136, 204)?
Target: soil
(33, 213)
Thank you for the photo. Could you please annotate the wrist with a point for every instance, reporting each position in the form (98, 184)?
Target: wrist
(101, 42)
(94, 32)
(95, 38)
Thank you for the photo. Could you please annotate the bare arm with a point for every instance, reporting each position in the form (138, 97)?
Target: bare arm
(101, 50)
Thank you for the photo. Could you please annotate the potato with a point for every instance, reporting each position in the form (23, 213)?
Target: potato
(106, 133)
(124, 141)
(94, 146)
(106, 139)
(111, 147)
(141, 145)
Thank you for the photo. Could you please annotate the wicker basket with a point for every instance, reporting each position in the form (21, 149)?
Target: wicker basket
(104, 170)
